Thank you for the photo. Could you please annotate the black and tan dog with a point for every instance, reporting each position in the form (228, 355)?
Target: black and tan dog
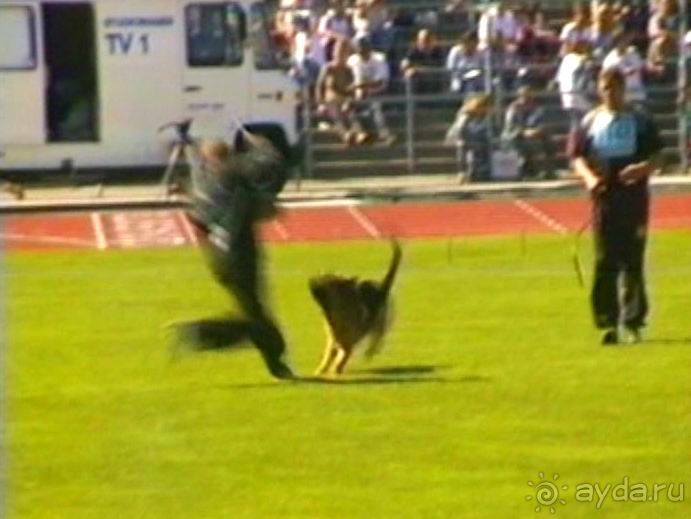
(353, 309)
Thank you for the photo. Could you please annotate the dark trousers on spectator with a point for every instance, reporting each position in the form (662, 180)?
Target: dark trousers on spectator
(538, 154)
(620, 227)
(474, 161)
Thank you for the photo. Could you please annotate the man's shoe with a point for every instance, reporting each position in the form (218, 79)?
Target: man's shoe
(610, 337)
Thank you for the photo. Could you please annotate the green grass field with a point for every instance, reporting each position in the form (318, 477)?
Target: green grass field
(491, 375)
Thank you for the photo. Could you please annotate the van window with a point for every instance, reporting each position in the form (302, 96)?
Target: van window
(214, 34)
(266, 55)
(18, 49)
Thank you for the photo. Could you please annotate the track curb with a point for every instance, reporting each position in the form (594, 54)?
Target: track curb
(369, 191)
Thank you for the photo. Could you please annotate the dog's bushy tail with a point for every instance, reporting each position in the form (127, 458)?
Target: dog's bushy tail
(390, 277)
(384, 319)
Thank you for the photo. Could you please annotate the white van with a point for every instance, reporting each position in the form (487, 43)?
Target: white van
(85, 84)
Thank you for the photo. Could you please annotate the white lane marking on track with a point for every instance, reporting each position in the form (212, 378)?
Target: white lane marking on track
(99, 232)
(187, 226)
(133, 230)
(317, 204)
(281, 230)
(364, 222)
(541, 217)
(53, 240)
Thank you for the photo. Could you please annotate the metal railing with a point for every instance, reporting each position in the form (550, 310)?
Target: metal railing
(412, 103)
(414, 110)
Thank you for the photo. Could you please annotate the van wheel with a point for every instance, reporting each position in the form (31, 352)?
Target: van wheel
(277, 137)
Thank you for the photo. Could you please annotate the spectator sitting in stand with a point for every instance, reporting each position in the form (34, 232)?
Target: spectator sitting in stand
(577, 30)
(379, 11)
(466, 64)
(499, 29)
(664, 20)
(536, 41)
(524, 129)
(362, 24)
(546, 38)
(662, 56)
(372, 19)
(498, 24)
(423, 62)
(635, 20)
(576, 80)
(305, 65)
(603, 30)
(371, 74)
(306, 42)
(471, 133)
(382, 31)
(334, 26)
(393, 40)
(663, 31)
(283, 30)
(457, 12)
(334, 93)
(525, 36)
(625, 57)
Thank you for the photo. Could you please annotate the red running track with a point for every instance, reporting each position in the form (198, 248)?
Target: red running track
(143, 229)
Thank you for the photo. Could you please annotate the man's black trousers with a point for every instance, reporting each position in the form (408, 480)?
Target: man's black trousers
(620, 223)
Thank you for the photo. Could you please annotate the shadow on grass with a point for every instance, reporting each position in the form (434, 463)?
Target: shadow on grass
(364, 381)
(667, 340)
(404, 370)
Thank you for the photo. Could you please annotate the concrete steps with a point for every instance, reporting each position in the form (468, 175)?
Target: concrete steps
(434, 114)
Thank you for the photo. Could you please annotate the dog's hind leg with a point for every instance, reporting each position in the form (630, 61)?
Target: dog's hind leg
(329, 355)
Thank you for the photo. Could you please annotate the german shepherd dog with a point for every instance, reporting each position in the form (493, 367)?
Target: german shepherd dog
(353, 309)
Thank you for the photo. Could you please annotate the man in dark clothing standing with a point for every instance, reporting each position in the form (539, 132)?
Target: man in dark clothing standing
(227, 203)
(614, 151)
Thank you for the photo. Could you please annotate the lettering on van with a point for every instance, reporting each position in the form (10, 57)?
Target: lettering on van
(214, 107)
(124, 43)
(270, 96)
(139, 21)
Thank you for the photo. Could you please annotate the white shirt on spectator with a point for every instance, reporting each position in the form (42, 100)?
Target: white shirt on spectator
(361, 25)
(308, 45)
(572, 97)
(571, 34)
(632, 66)
(374, 69)
(332, 22)
(459, 62)
(657, 24)
(494, 24)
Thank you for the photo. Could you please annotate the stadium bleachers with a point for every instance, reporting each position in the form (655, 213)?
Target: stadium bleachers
(419, 147)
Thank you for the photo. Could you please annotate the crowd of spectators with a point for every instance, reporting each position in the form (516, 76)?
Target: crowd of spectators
(350, 52)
